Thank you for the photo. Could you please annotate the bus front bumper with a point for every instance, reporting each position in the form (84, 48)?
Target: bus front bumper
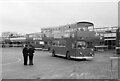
(88, 58)
(38, 48)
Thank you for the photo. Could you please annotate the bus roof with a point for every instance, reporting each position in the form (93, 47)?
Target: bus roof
(78, 34)
(73, 25)
(86, 24)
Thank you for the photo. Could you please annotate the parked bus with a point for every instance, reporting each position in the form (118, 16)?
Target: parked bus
(118, 41)
(17, 42)
(38, 40)
(5, 43)
(41, 43)
(38, 43)
(75, 44)
(14, 42)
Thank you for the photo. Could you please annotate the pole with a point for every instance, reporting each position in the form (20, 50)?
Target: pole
(111, 68)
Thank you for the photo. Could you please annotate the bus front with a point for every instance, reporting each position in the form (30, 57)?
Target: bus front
(83, 51)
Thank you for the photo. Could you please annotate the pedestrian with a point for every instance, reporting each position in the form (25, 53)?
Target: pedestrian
(31, 51)
(25, 54)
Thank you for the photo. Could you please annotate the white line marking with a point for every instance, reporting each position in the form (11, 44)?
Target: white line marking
(13, 62)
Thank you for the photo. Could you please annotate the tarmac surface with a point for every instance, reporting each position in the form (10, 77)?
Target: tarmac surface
(48, 67)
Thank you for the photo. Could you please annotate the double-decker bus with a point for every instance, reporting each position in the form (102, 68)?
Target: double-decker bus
(36, 40)
(75, 44)
(17, 42)
(118, 41)
(14, 42)
(41, 43)
(38, 43)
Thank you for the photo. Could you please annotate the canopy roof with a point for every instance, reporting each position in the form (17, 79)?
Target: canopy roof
(18, 39)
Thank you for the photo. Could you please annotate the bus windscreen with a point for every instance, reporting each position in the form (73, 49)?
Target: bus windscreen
(81, 44)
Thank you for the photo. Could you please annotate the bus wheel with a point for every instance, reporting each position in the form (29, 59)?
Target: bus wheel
(68, 55)
(53, 53)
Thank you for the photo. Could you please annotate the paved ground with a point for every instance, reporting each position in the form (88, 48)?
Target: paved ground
(48, 67)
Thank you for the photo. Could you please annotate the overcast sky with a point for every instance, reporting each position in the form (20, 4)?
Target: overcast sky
(26, 16)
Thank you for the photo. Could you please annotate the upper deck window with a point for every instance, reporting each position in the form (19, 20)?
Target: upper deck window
(41, 42)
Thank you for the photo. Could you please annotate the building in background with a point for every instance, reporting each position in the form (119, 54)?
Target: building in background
(118, 41)
(109, 35)
(12, 39)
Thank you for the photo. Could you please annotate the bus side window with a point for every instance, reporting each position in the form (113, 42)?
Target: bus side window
(62, 43)
(81, 29)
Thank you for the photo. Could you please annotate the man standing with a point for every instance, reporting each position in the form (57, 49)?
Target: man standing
(25, 54)
(31, 51)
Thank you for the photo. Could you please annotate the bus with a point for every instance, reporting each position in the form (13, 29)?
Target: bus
(5, 43)
(17, 42)
(14, 42)
(77, 44)
(38, 43)
(118, 41)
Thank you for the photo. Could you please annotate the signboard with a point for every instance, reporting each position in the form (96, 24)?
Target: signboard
(41, 42)
(66, 35)
(37, 38)
(18, 39)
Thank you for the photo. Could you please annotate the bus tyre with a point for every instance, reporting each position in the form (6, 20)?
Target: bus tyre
(68, 55)
(53, 53)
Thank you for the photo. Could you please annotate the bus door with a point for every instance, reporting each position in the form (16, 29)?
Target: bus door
(62, 47)
(55, 47)
(72, 48)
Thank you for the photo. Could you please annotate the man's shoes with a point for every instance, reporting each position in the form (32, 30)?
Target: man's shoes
(25, 64)
(30, 64)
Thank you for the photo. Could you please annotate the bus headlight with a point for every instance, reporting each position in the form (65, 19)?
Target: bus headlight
(92, 49)
(80, 53)
(91, 53)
